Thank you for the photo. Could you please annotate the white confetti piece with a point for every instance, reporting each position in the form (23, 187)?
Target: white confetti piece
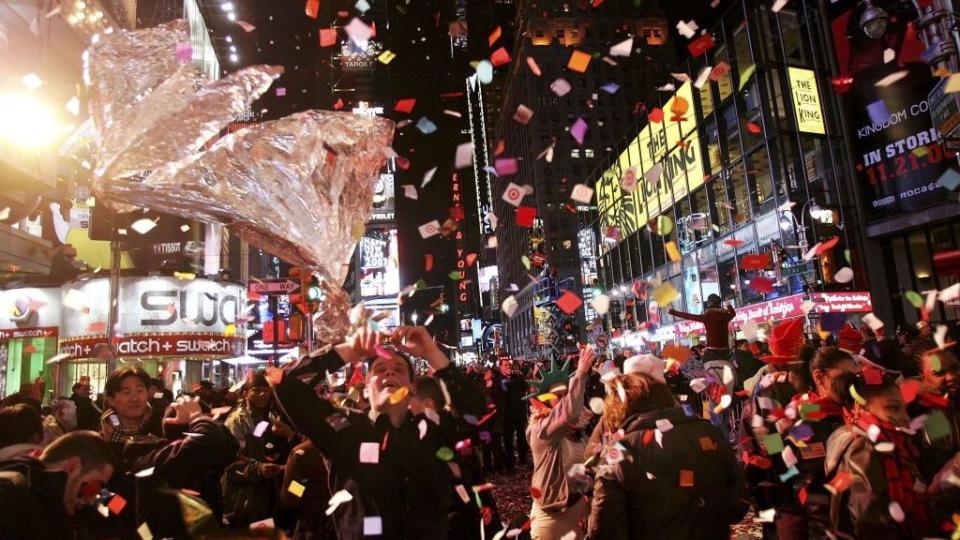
(260, 429)
(337, 499)
(369, 452)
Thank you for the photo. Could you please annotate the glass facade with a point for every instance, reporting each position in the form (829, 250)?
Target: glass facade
(731, 170)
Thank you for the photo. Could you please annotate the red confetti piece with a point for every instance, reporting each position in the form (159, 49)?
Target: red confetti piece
(428, 263)
(828, 245)
(338, 104)
(734, 243)
(701, 45)
(754, 128)
(762, 285)
(526, 215)
(568, 302)
(494, 36)
(312, 8)
(405, 105)
(759, 261)
(500, 57)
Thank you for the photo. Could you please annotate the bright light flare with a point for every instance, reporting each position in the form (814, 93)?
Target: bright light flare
(32, 81)
(27, 123)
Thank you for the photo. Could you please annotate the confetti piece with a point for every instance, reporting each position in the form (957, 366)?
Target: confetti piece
(445, 453)
(949, 180)
(856, 396)
(746, 74)
(892, 78)
(116, 504)
(247, 27)
(260, 429)
(937, 425)
(878, 111)
(624, 48)
(896, 512)
(426, 126)
(429, 229)
(560, 87)
(328, 37)
(337, 499)
(568, 302)
(914, 298)
(358, 32)
(534, 67)
(509, 306)
(485, 71)
(773, 443)
(687, 29)
(312, 8)
(579, 130)
(405, 105)
(754, 128)
(513, 194)
(369, 452)
(673, 252)
(665, 293)
(843, 275)
(758, 261)
(600, 304)
(372, 526)
(872, 321)
(629, 180)
(296, 488)
(464, 156)
(230, 330)
(579, 61)
(427, 177)
(526, 215)
(386, 57)
(455, 275)
(523, 114)
(701, 45)
(144, 531)
(582, 194)
(500, 57)
(410, 191)
(494, 36)
(778, 5)
(362, 6)
(686, 478)
(399, 394)
(610, 88)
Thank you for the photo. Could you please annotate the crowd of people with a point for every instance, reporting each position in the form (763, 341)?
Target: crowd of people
(854, 435)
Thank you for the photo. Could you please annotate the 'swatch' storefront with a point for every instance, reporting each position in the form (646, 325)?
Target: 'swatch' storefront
(176, 329)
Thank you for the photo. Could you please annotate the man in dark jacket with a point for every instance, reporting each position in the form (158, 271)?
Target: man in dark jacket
(390, 462)
(39, 497)
(88, 415)
(669, 476)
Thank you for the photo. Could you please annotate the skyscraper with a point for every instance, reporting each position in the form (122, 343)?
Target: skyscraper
(583, 99)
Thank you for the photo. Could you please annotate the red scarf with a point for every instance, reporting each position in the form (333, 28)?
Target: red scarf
(898, 468)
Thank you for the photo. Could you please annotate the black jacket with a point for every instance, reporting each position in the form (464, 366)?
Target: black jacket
(642, 496)
(88, 415)
(31, 501)
(402, 488)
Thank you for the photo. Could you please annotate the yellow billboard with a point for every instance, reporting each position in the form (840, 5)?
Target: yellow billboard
(806, 100)
(673, 146)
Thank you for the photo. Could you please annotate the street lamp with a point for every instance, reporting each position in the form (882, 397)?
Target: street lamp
(873, 20)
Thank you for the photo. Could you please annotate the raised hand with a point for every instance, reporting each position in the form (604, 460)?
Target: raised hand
(415, 340)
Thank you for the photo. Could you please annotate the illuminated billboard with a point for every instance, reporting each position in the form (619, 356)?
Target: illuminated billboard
(379, 266)
(673, 146)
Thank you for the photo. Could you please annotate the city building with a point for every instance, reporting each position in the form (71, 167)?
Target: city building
(607, 95)
(903, 162)
(740, 180)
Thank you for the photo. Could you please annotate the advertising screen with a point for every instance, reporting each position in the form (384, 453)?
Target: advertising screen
(379, 267)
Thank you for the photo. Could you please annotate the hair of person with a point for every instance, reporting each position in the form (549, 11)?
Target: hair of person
(20, 424)
(155, 381)
(259, 379)
(403, 356)
(644, 394)
(426, 387)
(115, 380)
(99, 348)
(741, 342)
(76, 386)
(94, 452)
(828, 358)
(842, 384)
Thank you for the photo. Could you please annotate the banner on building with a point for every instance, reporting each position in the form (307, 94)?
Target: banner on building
(806, 100)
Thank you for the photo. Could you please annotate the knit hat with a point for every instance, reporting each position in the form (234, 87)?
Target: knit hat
(785, 342)
(648, 364)
(849, 339)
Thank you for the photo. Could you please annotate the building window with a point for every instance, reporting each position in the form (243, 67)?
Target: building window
(588, 152)
(575, 153)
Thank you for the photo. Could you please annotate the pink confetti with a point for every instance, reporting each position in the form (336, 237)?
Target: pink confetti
(506, 166)
(281, 91)
(382, 353)
(579, 130)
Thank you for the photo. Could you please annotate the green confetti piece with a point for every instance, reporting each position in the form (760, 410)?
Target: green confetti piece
(936, 425)
(454, 275)
(846, 253)
(856, 396)
(746, 74)
(420, 284)
(935, 364)
(914, 298)
(445, 453)
(773, 443)
(476, 497)
(526, 261)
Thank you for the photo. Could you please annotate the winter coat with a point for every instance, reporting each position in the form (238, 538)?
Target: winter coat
(31, 501)
(399, 484)
(556, 446)
(689, 488)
